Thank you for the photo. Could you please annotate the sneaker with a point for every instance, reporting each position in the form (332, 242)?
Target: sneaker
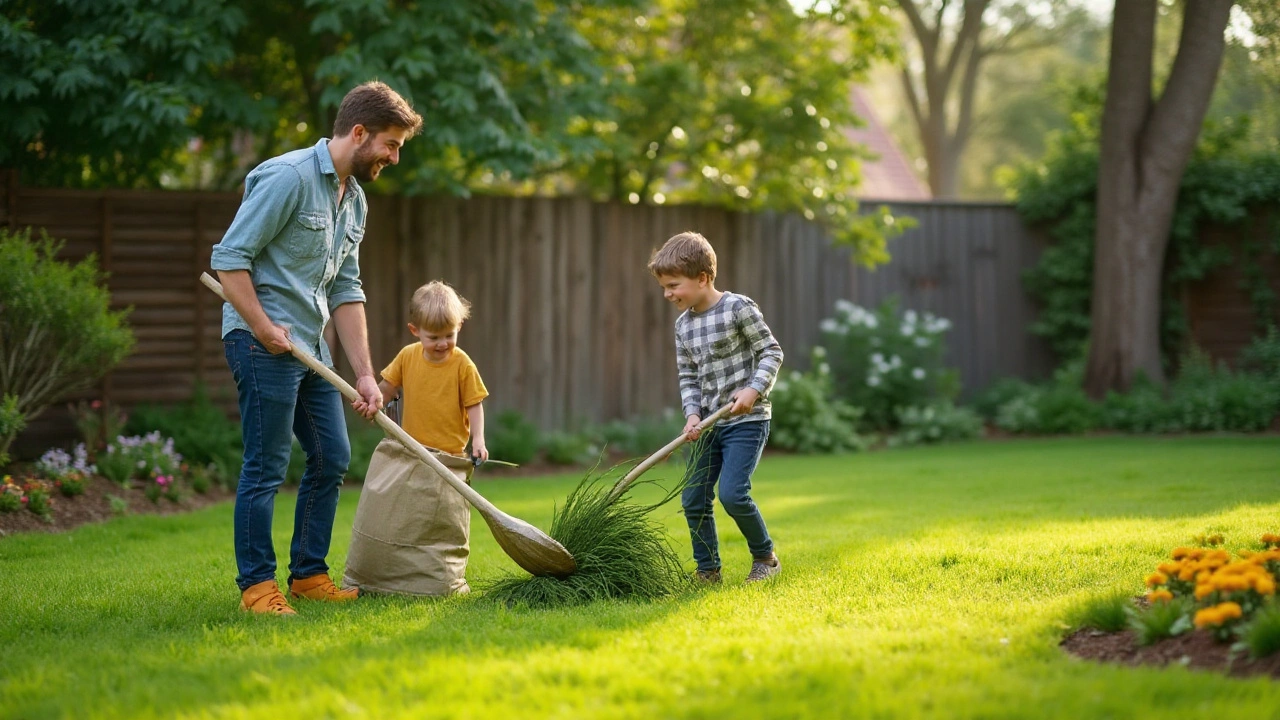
(265, 598)
(707, 577)
(764, 568)
(320, 587)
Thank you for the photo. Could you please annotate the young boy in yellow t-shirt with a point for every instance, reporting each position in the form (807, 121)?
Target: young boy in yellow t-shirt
(442, 387)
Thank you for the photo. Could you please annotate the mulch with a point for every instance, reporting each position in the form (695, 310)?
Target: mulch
(1197, 650)
(94, 505)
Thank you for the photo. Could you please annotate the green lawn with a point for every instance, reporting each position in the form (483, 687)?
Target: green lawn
(916, 583)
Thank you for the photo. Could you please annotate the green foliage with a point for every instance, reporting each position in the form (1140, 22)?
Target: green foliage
(1262, 356)
(807, 418)
(1160, 620)
(364, 437)
(1108, 613)
(201, 431)
(115, 465)
(1222, 186)
(885, 360)
(568, 448)
(108, 92)
(939, 422)
(999, 394)
(512, 437)
(641, 435)
(12, 421)
(1209, 398)
(737, 103)
(57, 332)
(1262, 635)
(620, 551)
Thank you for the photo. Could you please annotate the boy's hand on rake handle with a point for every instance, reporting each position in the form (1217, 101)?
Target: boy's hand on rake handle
(691, 430)
(743, 401)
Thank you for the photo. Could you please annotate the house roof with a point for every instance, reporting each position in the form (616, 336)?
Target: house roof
(887, 175)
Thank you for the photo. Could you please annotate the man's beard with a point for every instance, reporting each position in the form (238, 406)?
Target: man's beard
(364, 162)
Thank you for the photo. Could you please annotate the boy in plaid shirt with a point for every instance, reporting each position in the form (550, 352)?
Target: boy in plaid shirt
(724, 353)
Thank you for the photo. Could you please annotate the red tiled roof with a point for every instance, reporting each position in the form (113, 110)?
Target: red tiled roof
(888, 175)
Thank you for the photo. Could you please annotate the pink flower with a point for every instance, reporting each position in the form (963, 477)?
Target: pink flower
(95, 404)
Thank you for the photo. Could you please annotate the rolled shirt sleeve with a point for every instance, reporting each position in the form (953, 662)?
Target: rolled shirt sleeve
(346, 287)
(763, 345)
(272, 194)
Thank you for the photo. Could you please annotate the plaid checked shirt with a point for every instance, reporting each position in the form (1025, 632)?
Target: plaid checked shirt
(721, 350)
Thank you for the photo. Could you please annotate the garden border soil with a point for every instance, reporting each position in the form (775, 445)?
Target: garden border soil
(1197, 650)
(94, 505)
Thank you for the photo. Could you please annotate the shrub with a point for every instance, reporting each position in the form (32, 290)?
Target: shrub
(1059, 406)
(201, 432)
(885, 360)
(999, 394)
(1205, 397)
(512, 437)
(1262, 356)
(807, 418)
(567, 448)
(364, 438)
(148, 457)
(56, 327)
(1143, 409)
(939, 422)
(12, 421)
(116, 465)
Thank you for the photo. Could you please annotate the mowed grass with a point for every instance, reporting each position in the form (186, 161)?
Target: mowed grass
(918, 583)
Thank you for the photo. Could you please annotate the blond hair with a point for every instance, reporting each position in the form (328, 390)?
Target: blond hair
(436, 306)
(687, 254)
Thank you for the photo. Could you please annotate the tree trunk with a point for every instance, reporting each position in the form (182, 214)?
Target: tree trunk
(1145, 147)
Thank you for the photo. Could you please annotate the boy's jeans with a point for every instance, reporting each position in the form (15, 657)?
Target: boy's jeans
(280, 396)
(730, 456)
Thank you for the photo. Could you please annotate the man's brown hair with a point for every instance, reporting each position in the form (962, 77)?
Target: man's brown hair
(377, 107)
(687, 254)
(437, 307)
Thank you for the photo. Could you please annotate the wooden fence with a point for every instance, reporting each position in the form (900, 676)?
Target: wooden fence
(566, 326)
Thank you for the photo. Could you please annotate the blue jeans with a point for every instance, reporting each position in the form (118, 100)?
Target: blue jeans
(280, 397)
(730, 456)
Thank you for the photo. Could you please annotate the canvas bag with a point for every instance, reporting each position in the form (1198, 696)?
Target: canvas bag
(411, 529)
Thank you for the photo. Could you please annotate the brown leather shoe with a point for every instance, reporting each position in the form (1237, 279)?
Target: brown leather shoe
(265, 598)
(320, 587)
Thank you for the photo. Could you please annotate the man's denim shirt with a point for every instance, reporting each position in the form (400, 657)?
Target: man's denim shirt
(300, 247)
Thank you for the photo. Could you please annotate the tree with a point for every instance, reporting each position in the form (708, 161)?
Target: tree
(941, 80)
(1146, 143)
(107, 92)
(737, 103)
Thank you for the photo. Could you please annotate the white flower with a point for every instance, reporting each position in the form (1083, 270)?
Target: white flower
(819, 351)
(871, 321)
(824, 368)
(907, 330)
(845, 306)
(828, 325)
(873, 380)
(909, 317)
(877, 358)
(895, 361)
(918, 373)
(922, 341)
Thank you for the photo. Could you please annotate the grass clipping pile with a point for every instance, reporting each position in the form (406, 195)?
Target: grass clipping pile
(622, 553)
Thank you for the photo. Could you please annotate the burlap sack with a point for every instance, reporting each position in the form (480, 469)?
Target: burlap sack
(411, 528)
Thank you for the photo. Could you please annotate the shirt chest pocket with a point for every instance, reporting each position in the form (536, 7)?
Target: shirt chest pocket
(310, 235)
(723, 348)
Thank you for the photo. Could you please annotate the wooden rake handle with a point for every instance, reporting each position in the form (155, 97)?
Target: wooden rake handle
(622, 485)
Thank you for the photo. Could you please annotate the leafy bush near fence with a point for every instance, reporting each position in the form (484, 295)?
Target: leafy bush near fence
(885, 360)
(1204, 397)
(942, 421)
(512, 437)
(57, 332)
(807, 417)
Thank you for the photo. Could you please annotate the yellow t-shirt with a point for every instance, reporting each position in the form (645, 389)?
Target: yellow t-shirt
(436, 396)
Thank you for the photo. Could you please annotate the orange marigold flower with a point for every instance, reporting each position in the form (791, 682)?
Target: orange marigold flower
(1169, 568)
(1203, 590)
(1181, 552)
(1159, 596)
(1265, 586)
(1230, 611)
(1207, 616)
(1157, 578)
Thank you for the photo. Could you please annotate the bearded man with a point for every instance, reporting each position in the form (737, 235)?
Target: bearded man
(289, 262)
